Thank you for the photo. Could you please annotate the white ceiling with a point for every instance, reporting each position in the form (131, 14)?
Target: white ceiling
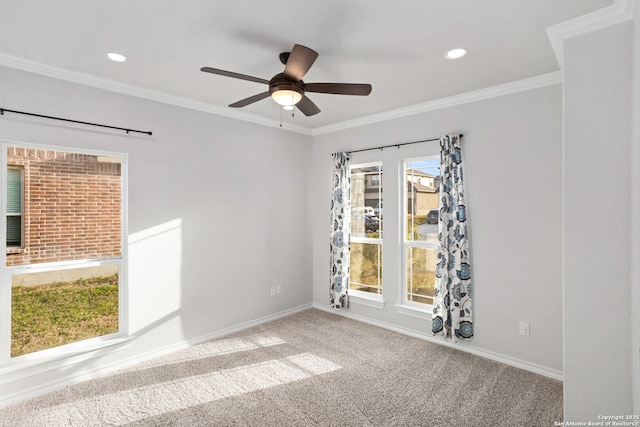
(396, 46)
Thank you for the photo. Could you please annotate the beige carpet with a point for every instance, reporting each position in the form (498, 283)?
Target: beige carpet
(309, 369)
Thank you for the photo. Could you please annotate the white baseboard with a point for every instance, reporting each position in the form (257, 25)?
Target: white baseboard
(507, 360)
(7, 399)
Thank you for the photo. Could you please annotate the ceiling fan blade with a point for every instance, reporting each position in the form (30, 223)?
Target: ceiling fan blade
(307, 107)
(234, 75)
(250, 100)
(339, 88)
(299, 62)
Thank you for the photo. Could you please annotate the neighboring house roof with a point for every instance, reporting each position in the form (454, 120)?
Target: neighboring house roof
(421, 188)
(417, 172)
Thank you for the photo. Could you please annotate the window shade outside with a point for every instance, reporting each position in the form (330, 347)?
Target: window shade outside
(14, 191)
(14, 231)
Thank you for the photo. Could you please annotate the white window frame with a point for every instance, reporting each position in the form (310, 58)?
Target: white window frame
(376, 297)
(408, 244)
(9, 364)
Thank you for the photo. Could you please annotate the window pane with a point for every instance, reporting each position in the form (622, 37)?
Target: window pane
(366, 267)
(50, 309)
(366, 201)
(421, 274)
(14, 230)
(72, 205)
(421, 206)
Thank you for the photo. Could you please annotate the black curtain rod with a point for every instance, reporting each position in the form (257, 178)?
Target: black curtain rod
(2, 111)
(397, 145)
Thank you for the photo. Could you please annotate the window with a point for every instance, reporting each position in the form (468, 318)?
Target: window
(366, 230)
(15, 197)
(420, 247)
(64, 209)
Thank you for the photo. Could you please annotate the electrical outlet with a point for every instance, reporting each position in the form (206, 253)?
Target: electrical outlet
(273, 291)
(278, 289)
(524, 329)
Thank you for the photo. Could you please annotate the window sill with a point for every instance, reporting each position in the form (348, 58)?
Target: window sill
(59, 357)
(374, 301)
(412, 311)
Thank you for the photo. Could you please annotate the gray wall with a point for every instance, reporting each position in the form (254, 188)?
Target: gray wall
(211, 224)
(513, 166)
(596, 221)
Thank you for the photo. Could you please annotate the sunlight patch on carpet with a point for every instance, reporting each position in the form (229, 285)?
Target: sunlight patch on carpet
(213, 349)
(136, 404)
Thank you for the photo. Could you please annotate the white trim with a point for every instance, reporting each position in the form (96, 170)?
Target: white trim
(366, 240)
(20, 63)
(50, 147)
(63, 265)
(620, 11)
(417, 312)
(451, 101)
(88, 374)
(367, 299)
(507, 360)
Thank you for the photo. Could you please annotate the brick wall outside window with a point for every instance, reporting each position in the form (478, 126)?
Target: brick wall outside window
(72, 206)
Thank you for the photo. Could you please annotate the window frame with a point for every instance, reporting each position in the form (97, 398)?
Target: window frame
(407, 244)
(371, 296)
(8, 363)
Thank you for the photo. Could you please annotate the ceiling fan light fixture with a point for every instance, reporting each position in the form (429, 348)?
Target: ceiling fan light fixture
(286, 97)
(455, 53)
(288, 107)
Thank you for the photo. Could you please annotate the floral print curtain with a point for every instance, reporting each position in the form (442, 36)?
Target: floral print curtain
(452, 314)
(340, 231)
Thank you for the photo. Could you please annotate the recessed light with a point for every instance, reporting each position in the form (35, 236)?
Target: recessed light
(116, 57)
(455, 54)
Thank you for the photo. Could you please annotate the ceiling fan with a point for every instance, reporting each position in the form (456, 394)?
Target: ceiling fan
(288, 89)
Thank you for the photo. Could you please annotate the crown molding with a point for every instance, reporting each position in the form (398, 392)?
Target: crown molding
(17, 62)
(438, 104)
(620, 11)
(24, 64)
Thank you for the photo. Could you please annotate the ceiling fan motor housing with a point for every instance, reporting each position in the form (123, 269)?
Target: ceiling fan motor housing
(280, 82)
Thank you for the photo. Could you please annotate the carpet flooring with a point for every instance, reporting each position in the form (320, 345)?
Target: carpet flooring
(310, 369)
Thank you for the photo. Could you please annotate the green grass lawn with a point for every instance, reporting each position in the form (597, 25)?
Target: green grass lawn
(53, 314)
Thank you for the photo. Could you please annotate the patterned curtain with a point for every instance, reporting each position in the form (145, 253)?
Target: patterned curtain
(340, 231)
(452, 315)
